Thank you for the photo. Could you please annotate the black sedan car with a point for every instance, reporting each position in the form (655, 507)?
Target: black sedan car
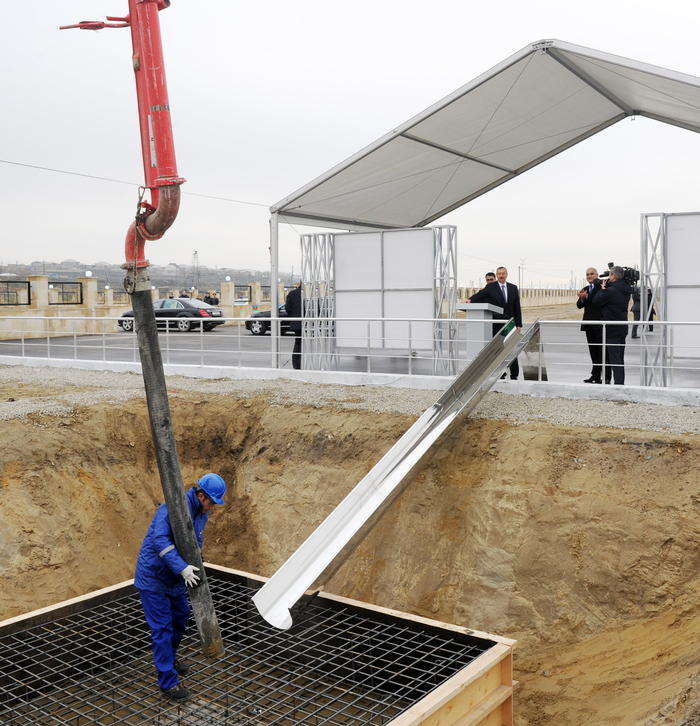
(182, 313)
(259, 323)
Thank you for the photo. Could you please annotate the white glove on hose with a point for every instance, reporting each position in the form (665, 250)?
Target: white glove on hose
(189, 577)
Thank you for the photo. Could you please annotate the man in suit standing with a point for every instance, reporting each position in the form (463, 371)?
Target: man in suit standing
(594, 333)
(294, 309)
(504, 295)
(614, 301)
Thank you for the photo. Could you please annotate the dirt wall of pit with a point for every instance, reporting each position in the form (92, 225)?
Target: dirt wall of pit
(580, 542)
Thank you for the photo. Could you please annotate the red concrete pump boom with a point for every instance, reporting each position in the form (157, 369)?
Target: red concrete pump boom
(157, 147)
(152, 220)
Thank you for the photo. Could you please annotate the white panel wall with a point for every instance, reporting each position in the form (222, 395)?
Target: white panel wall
(358, 304)
(683, 268)
(385, 275)
(414, 304)
(409, 260)
(358, 262)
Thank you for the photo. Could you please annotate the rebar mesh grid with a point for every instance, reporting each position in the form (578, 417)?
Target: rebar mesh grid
(337, 666)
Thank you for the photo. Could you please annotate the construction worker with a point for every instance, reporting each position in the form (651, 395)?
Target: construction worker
(162, 578)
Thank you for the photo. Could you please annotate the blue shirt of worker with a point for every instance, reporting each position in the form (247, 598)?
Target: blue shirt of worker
(162, 589)
(159, 564)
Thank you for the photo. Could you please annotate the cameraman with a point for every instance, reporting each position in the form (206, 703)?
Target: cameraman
(594, 333)
(613, 299)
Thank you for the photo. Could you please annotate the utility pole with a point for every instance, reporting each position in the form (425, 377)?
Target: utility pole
(195, 270)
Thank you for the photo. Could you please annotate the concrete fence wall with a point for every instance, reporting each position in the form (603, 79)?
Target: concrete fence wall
(99, 304)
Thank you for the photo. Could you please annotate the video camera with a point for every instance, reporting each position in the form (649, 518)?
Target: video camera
(629, 274)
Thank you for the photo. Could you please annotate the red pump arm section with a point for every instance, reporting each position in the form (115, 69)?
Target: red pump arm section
(157, 147)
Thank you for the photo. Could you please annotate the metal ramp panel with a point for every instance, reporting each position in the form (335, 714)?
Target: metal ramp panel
(325, 550)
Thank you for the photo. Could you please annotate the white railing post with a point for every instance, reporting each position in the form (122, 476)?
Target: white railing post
(201, 344)
(604, 372)
(368, 345)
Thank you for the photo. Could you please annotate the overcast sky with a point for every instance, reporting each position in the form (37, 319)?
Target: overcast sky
(267, 95)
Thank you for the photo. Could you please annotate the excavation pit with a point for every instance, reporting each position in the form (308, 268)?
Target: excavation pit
(88, 661)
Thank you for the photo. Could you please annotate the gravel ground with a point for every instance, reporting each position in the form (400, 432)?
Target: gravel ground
(59, 392)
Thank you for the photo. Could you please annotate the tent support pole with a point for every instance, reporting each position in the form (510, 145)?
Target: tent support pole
(274, 288)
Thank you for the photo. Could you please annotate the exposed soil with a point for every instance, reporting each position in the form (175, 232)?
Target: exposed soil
(580, 542)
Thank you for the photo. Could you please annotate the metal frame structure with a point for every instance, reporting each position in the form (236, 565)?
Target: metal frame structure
(88, 662)
(319, 349)
(658, 357)
(654, 370)
(446, 298)
(317, 277)
(483, 135)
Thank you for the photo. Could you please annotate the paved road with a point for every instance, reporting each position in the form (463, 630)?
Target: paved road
(565, 353)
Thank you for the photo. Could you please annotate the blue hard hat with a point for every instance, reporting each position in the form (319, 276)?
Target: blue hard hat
(213, 486)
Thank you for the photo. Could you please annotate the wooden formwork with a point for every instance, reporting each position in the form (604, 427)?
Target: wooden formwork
(478, 694)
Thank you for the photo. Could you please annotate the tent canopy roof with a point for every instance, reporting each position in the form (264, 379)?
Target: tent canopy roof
(535, 104)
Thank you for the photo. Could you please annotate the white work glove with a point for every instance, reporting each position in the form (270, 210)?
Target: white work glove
(189, 577)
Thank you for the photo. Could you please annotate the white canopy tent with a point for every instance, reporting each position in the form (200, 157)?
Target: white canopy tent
(532, 106)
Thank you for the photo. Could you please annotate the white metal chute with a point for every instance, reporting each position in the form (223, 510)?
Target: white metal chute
(325, 550)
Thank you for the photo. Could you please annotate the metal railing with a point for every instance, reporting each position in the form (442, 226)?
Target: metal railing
(66, 293)
(15, 293)
(667, 356)
(244, 293)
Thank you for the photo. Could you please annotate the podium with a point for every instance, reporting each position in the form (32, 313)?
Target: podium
(479, 329)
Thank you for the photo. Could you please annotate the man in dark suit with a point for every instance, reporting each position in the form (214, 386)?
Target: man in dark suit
(614, 302)
(294, 309)
(594, 333)
(504, 295)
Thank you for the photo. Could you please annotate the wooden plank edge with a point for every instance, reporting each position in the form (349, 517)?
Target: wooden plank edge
(449, 689)
(379, 609)
(486, 707)
(237, 573)
(66, 607)
(424, 621)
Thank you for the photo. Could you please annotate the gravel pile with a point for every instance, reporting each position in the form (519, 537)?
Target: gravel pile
(60, 392)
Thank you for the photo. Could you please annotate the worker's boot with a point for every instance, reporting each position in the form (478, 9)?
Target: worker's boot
(177, 693)
(180, 666)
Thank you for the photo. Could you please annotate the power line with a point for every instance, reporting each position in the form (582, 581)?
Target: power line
(121, 181)
(62, 171)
